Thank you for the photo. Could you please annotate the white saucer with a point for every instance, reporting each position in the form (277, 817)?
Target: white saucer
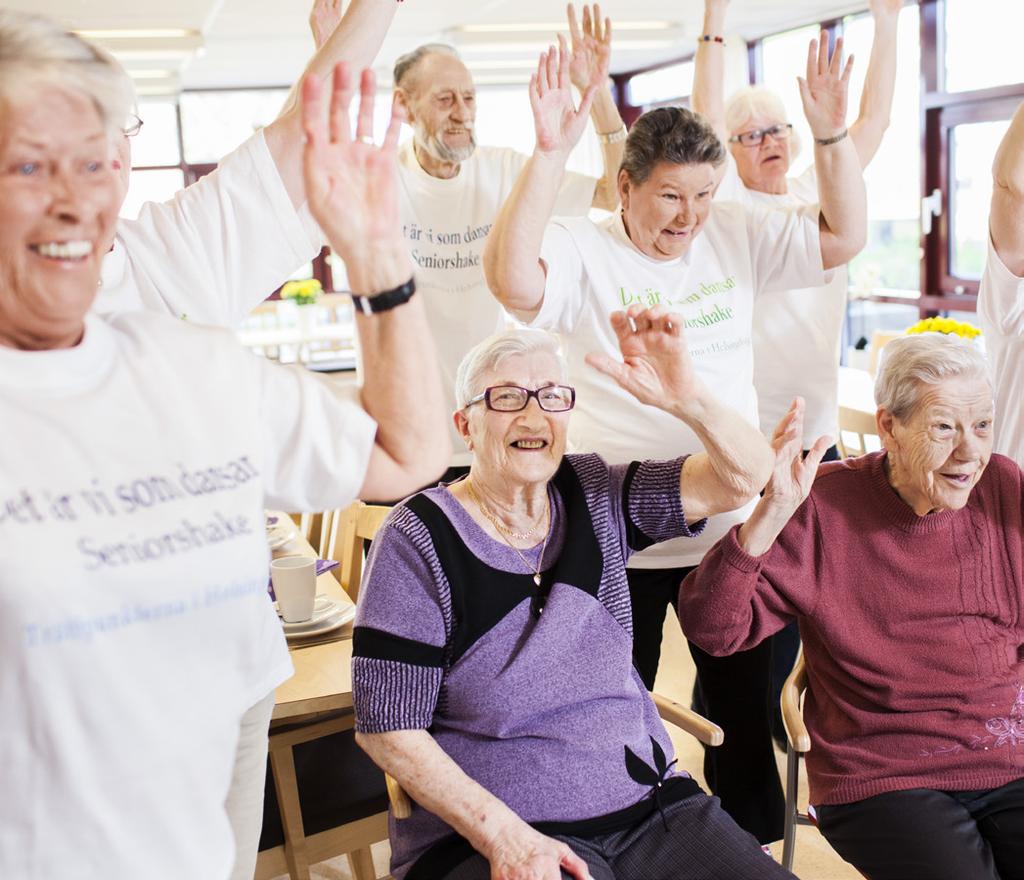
(280, 535)
(328, 615)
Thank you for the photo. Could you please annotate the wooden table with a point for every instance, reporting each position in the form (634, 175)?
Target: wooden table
(857, 390)
(323, 673)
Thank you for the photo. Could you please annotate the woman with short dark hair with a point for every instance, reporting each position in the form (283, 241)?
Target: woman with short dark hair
(671, 245)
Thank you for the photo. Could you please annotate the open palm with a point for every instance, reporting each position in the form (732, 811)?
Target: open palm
(794, 473)
(351, 184)
(825, 90)
(557, 122)
(591, 48)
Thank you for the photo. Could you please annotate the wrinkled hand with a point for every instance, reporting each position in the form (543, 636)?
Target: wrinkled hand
(656, 367)
(793, 474)
(351, 184)
(323, 20)
(885, 8)
(591, 48)
(525, 854)
(557, 122)
(825, 90)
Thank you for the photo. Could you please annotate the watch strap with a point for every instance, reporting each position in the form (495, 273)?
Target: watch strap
(385, 300)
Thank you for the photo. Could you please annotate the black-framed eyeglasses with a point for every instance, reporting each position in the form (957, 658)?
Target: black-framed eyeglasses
(755, 137)
(513, 398)
(132, 125)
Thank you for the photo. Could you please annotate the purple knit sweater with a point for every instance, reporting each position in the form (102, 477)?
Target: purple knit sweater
(913, 629)
(540, 709)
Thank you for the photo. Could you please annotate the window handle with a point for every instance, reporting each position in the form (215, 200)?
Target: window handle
(931, 206)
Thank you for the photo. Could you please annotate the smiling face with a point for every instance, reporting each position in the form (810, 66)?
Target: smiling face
(58, 207)
(440, 100)
(764, 167)
(937, 454)
(667, 211)
(522, 448)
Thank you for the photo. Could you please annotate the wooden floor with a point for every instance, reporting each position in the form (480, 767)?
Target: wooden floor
(815, 859)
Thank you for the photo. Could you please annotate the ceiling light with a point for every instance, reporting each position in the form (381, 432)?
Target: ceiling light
(556, 26)
(151, 74)
(151, 54)
(136, 33)
(539, 45)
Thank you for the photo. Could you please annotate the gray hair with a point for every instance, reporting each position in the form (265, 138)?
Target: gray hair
(36, 51)
(405, 64)
(753, 101)
(670, 134)
(910, 362)
(486, 355)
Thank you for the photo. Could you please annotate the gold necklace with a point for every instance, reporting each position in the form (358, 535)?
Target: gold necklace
(503, 529)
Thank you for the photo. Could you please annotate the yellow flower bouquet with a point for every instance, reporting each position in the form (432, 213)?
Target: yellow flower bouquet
(945, 325)
(303, 293)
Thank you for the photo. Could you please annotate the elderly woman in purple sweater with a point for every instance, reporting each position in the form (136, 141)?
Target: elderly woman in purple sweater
(492, 671)
(904, 571)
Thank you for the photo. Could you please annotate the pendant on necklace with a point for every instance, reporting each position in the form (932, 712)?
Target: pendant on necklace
(536, 579)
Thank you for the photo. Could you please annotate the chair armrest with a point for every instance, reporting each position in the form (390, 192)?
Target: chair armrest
(401, 804)
(696, 725)
(792, 716)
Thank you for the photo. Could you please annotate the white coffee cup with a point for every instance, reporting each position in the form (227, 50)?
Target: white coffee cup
(294, 580)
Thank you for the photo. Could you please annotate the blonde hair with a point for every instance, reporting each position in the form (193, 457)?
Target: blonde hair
(36, 51)
(754, 101)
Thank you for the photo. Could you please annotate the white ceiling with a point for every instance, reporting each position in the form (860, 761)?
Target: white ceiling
(266, 42)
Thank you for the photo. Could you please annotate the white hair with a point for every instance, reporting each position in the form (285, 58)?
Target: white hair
(36, 51)
(922, 359)
(486, 355)
(408, 62)
(753, 101)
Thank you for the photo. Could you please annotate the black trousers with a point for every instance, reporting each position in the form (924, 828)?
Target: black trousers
(736, 692)
(923, 834)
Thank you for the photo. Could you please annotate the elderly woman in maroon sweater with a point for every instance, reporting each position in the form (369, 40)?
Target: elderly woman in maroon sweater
(492, 672)
(904, 570)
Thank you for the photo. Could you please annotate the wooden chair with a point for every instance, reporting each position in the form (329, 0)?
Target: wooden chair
(798, 744)
(316, 528)
(879, 339)
(675, 713)
(351, 528)
(364, 813)
(859, 423)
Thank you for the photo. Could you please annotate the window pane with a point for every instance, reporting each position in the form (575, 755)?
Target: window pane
(891, 259)
(214, 123)
(157, 142)
(784, 58)
(657, 86)
(983, 43)
(151, 186)
(972, 147)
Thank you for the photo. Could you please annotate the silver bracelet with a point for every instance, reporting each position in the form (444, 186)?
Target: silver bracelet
(613, 137)
(825, 142)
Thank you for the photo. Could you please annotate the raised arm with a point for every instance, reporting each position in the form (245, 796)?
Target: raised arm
(879, 81)
(656, 369)
(512, 265)
(840, 177)
(353, 194)
(708, 98)
(1006, 219)
(438, 784)
(357, 40)
(591, 57)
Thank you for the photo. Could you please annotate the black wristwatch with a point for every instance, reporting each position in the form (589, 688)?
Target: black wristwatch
(386, 300)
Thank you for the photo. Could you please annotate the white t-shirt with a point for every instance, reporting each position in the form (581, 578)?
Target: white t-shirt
(797, 333)
(594, 269)
(1001, 312)
(445, 223)
(135, 626)
(216, 250)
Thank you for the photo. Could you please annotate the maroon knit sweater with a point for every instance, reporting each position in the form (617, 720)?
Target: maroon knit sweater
(913, 629)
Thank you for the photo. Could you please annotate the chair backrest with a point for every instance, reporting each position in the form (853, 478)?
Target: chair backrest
(879, 339)
(352, 527)
(857, 423)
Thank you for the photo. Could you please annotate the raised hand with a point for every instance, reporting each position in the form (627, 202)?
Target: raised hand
(556, 120)
(323, 19)
(591, 48)
(351, 184)
(825, 90)
(656, 367)
(885, 8)
(793, 474)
